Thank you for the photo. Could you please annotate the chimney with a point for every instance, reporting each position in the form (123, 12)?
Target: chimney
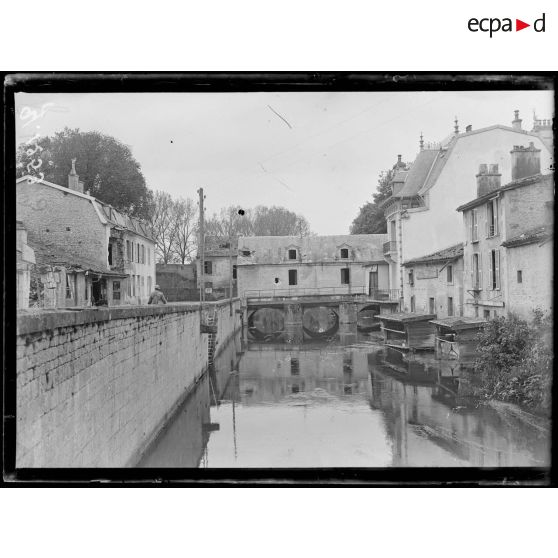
(488, 179)
(73, 179)
(421, 142)
(398, 159)
(516, 122)
(469, 128)
(456, 127)
(525, 161)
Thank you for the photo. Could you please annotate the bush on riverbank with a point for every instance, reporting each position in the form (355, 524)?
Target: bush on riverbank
(514, 361)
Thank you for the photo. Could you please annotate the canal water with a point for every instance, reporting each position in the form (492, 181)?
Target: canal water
(345, 401)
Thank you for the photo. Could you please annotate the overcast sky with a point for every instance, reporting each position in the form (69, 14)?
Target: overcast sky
(318, 154)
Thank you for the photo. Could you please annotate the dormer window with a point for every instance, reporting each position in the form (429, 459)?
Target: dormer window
(246, 252)
(344, 253)
(292, 254)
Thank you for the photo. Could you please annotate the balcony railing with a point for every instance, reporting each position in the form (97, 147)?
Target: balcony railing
(390, 246)
(385, 294)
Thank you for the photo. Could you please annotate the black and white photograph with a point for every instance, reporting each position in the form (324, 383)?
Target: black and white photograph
(227, 278)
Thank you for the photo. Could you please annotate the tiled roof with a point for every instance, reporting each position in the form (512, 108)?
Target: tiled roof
(123, 220)
(218, 246)
(509, 186)
(459, 322)
(52, 255)
(531, 236)
(418, 173)
(363, 248)
(406, 317)
(450, 253)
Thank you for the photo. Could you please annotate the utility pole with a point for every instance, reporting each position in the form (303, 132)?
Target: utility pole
(201, 245)
(230, 265)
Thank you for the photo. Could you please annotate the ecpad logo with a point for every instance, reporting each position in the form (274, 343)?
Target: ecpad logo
(493, 25)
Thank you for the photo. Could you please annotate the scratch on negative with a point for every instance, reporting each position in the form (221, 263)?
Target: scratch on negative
(283, 119)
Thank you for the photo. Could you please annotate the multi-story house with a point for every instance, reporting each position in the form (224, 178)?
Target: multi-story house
(420, 213)
(219, 266)
(87, 252)
(508, 247)
(434, 283)
(344, 264)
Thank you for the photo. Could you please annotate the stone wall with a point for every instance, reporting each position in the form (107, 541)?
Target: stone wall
(62, 220)
(95, 387)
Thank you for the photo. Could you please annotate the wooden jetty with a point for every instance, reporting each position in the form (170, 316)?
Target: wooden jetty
(408, 330)
(456, 338)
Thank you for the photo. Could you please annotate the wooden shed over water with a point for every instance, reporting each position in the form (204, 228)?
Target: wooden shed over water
(408, 330)
(456, 337)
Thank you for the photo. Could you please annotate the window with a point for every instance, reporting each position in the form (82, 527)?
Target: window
(142, 283)
(130, 285)
(413, 303)
(450, 306)
(519, 276)
(295, 367)
(133, 281)
(412, 278)
(69, 286)
(344, 253)
(474, 226)
(450, 274)
(292, 254)
(431, 305)
(392, 230)
(116, 290)
(292, 277)
(345, 276)
(234, 271)
(142, 253)
(132, 252)
(246, 253)
(476, 271)
(148, 256)
(487, 314)
(110, 253)
(208, 268)
(492, 218)
(494, 269)
(138, 253)
(149, 285)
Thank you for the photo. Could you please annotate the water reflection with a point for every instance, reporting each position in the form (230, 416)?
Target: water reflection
(341, 402)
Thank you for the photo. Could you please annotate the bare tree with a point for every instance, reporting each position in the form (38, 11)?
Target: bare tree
(230, 223)
(279, 221)
(185, 240)
(163, 226)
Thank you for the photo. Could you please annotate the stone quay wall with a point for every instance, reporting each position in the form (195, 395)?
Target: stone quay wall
(95, 387)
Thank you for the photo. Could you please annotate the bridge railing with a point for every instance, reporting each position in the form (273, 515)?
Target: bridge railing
(306, 291)
(358, 291)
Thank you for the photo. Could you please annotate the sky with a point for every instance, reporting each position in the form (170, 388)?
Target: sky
(316, 153)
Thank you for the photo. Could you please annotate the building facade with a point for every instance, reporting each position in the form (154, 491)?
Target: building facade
(341, 264)
(434, 283)
(88, 253)
(507, 251)
(25, 260)
(219, 267)
(420, 213)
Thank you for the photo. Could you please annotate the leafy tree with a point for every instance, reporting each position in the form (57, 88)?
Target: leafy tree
(370, 219)
(104, 164)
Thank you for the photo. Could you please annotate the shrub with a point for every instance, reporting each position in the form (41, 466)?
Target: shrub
(515, 361)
